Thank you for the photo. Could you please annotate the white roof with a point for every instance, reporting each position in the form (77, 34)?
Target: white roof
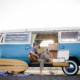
(11, 31)
(54, 29)
(33, 30)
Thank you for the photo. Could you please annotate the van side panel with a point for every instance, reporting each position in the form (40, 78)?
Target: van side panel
(16, 51)
(74, 49)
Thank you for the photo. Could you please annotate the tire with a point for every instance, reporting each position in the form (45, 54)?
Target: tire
(72, 69)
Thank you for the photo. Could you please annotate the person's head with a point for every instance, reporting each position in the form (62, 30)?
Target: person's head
(35, 45)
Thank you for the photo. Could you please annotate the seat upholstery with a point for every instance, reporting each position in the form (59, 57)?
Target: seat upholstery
(39, 63)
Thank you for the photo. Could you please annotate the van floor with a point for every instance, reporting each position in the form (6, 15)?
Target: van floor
(37, 64)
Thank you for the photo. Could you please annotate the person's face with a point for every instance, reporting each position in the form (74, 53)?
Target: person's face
(36, 46)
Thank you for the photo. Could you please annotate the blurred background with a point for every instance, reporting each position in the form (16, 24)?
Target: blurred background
(21, 14)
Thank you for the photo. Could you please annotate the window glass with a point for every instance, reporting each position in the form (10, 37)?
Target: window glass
(69, 36)
(17, 38)
(78, 36)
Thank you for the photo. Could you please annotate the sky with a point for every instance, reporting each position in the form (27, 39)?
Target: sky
(21, 14)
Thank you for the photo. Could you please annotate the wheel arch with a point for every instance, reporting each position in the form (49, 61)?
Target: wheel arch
(74, 59)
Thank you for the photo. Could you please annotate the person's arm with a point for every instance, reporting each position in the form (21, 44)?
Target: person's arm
(34, 54)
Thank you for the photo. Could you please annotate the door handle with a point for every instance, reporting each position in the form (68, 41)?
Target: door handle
(27, 48)
(62, 47)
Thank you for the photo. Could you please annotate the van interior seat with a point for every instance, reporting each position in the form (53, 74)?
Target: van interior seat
(39, 63)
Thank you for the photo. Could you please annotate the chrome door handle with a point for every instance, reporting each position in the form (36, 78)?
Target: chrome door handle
(27, 48)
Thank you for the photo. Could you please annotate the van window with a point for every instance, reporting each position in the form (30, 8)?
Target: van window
(69, 36)
(17, 38)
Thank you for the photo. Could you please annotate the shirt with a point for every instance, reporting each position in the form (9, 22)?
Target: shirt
(33, 49)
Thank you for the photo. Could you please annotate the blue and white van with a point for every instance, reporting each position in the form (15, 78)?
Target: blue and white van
(16, 44)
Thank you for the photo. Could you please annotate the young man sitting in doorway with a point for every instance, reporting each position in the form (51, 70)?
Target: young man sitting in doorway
(40, 58)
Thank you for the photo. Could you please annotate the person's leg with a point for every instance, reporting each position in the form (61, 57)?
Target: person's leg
(41, 65)
(45, 56)
(42, 56)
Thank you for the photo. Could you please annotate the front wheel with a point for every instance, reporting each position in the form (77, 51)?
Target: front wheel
(72, 69)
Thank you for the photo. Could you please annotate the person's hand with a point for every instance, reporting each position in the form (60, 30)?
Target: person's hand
(37, 56)
(41, 52)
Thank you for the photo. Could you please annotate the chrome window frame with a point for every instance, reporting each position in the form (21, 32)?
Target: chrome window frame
(29, 42)
(59, 37)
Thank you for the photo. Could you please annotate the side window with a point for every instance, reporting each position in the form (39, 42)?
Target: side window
(17, 38)
(78, 36)
(69, 36)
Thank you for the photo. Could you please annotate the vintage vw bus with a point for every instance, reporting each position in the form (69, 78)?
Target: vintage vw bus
(16, 44)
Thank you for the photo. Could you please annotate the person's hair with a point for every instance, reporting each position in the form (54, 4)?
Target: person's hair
(35, 43)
